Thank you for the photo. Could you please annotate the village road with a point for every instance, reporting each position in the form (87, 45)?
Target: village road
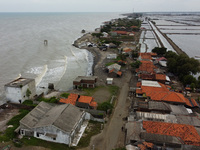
(110, 136)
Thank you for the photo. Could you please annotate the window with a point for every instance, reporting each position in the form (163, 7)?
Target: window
(37, 134)
(54, 138)
(22, 132)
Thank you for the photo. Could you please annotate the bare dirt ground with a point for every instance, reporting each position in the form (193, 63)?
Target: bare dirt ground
(5, 116)
(112, 135)
(102, 95)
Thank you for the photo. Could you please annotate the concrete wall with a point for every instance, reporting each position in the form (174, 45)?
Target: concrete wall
(14, 94)
(61, 137)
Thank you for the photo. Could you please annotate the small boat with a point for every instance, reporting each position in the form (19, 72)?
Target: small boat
(197, 56)
(83, 31)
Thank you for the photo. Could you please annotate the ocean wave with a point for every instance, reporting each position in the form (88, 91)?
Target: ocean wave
(75, 57)
(65, 68)
(40, 76)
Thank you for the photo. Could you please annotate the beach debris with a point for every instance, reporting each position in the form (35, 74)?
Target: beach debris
(45, 42)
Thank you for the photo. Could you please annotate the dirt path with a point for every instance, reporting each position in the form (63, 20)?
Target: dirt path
(112, 135)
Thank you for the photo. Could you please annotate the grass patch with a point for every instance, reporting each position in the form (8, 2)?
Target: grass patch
(110, 63)
(9, 133)
(91, 91)
(49, 100)
(65, 95)
(92, 129)
(51, 145)
(113, 89)
(29, 103)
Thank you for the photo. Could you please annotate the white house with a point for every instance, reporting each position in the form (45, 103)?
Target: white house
(16, 91)
(109, 80)
(111, 56)
(51, 122)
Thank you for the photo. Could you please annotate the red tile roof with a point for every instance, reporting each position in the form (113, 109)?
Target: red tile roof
(121, 32)
(126, 50)
(163, 94)
(145, 56)
(161, 58)
(89, 100)
(146, 66)
(85, 99)
(187, 133)
(119, 73)
(134, 27)
(161, 77)
(139, 84)
(139, 91)
(72, 98)
(168, 96)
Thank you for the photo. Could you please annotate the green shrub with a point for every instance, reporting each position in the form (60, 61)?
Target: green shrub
(105, 106)
(49, 100)
(65, 95)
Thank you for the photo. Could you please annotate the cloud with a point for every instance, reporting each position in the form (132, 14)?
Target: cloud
(99, 5)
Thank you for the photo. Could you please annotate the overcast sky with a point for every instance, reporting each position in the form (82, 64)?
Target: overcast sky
(98, 5)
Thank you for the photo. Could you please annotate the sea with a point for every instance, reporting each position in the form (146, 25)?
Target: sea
(23, 53)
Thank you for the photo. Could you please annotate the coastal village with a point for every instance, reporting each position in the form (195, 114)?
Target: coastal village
(133, 100)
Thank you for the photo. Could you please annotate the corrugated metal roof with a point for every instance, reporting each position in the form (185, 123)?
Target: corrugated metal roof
(64, 117)
(150, 83)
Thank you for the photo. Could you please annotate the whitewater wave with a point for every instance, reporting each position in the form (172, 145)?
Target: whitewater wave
(65, 67)
(40, 76)
(75, 57)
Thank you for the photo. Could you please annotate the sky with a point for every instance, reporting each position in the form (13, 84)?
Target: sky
(98, 5)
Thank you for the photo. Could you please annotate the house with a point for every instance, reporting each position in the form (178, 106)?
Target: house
(85, 82)
(119, 32)
(162, 78)
(54, 123)
(146, 56)
(86, 102)
(162, 61)
(20, 90)
(173, 135)
(109, 81)
(146, 67)
(114, 70)
(72, 98)
(122, 62)
(111, 56)
(186, 134)
(105, 34)
(159, 92)
(127, 51)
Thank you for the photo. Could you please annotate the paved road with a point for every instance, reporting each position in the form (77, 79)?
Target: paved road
(112, 136)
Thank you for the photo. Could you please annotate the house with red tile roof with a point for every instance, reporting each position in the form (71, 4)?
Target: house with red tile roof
(159, 92)
(146, 67)
(187, 134)
(121, 32)
(86, 102)
(162, 78)
(80, 101)
(114, 70)
(72, 98)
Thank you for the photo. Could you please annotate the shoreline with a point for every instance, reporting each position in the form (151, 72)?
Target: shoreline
(93, 50)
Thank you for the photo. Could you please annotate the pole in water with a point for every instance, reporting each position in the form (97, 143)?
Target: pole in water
(45, 42)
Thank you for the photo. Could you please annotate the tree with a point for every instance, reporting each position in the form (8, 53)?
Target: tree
(171, 64)
(192, 86)
(159, 50)
(136, 64)
(28, 93)
(105, 106)
(188, 79)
